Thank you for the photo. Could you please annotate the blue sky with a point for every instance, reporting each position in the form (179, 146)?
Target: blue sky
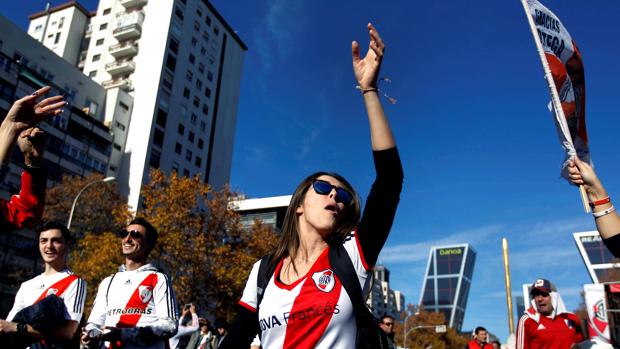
(478, 145)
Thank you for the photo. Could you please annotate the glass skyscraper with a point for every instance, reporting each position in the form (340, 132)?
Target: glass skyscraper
(447, 282)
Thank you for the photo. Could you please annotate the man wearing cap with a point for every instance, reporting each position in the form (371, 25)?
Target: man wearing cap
(547, 324)
(480, 339)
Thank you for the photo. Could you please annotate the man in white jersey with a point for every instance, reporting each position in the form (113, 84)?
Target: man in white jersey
(54, 240)
(135, 307)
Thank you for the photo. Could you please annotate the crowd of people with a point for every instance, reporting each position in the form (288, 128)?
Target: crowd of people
(308, 293)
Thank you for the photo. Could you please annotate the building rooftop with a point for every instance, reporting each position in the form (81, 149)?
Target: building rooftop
(61, 7)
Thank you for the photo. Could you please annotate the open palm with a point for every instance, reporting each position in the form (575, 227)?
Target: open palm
(366, 70)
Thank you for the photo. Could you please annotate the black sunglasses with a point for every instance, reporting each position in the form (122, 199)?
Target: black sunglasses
(133, 233)
(388, 323)
(324, 188)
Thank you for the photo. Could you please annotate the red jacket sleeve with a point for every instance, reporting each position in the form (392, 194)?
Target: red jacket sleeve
(26, 208)
(523, 341)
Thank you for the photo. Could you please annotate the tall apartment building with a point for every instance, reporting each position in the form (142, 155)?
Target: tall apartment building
(383, 300)
(447, 282)
(172, 70)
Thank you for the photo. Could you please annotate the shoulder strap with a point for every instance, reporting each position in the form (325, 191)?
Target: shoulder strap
(343, 267)
(265, 271)
(108, 289)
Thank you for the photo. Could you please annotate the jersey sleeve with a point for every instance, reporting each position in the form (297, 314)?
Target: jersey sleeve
(381, 204)
(98, 313)
(74, 298)
(19, 303)
(523, 340)
(248, 299)
(26, 208)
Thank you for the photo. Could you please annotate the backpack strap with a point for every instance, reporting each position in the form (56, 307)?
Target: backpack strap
(107, 291)
(368, 332)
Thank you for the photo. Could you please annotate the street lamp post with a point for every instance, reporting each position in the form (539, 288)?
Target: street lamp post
(438, 329)
(104, 180)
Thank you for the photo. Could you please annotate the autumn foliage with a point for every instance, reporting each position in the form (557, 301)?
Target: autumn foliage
(420, 335)
(201, 244)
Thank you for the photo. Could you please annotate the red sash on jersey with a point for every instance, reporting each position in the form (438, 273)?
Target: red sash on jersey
(58, 288)
(138, 302)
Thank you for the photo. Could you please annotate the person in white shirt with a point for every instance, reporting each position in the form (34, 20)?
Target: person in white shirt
(54, 240)
(188, 323)
(135, 307)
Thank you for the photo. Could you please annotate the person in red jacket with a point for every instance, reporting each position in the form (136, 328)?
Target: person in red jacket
(480, 339)
(19, 126)
(546, 324)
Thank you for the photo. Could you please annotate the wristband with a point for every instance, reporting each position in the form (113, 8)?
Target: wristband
(603, 213)
(21, 327)
(600, 202)
(364, 90)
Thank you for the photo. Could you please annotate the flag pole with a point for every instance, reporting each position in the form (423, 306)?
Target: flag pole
(511, 324)
(555, 98)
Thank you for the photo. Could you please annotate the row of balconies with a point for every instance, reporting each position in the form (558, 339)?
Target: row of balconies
(133, 3)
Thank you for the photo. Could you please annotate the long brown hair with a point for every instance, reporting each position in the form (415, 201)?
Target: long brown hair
(289, 237)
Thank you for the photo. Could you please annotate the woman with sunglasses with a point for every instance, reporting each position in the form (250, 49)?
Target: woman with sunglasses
(304, 304)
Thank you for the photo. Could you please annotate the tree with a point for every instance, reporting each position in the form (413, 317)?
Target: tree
(100, 208)
(414, 318)
(201, 243)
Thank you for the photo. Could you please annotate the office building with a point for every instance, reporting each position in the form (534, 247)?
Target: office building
(447, 282)
(602, 266)
(382, 300)
(270, 211)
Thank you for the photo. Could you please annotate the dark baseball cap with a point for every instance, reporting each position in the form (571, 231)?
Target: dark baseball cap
(542, 285)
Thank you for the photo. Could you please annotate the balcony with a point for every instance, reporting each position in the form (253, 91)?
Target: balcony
(122, 83)
(88, 32)
(133, 3)
(122, 67)
(128, 25)
(124, 49)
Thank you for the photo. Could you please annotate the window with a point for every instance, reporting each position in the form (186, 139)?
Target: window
(209, 76)
(119, 126)
(205, 36)
(199, 12)
(203, 125)
(201, 68)
(155, 158)
(186, 92)
(201, 143)
(179, 12)
(171, 62)
(168, 79)
(192, 59)
(70, 94)
(196, 26)
(193, 119)
(188, 155)
(181, 129)
(99, 42)
(96, 58)
(198, 161)
(175, 166)
(190, 136)
(92, 74)
(194, 41)
(189, 76)
(158, 137)
(178, 148)
(208, 20)
(203, 51)
(38, 28)
(162, 117)
(183, 111)
(92, 107)
(198, 84)
(174, 45)
(208, 92)
(196, 101)
(205, 109)
(123, 106)
(107, 11)
(104, 26)
(61, 22)
(117, 146)
(216, 31)
(57, 38)
(185, 172)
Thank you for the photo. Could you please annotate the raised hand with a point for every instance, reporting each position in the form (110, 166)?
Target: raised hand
(581, 173)
(27, 111)
(31, 142)
(366, 70)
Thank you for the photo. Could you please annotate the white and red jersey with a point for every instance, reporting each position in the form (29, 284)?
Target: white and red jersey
(313, 312)
(64, 284)
(134, 299)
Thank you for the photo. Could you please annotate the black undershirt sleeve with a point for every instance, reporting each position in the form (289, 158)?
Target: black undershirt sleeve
(613, 244)
(381, 204)
(243, 329)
